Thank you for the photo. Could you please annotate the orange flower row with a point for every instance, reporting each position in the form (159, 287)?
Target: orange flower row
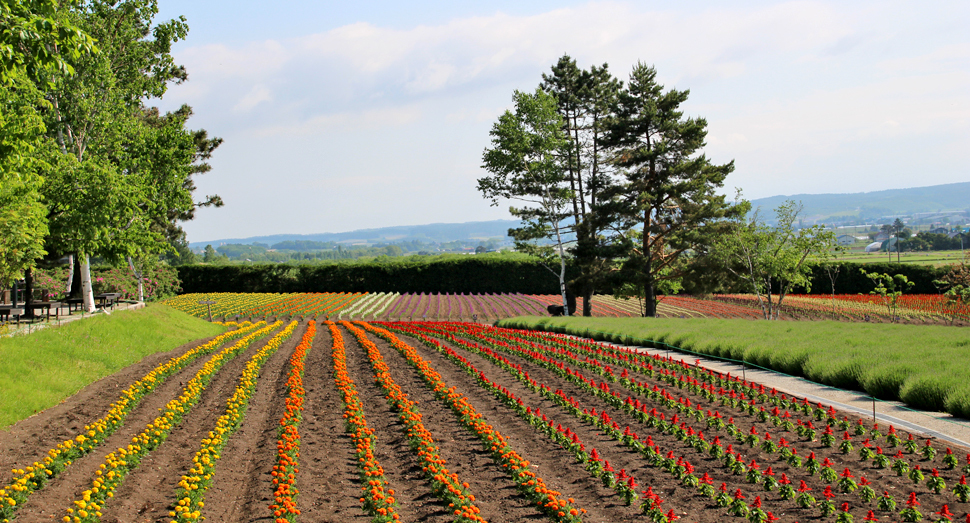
(445, 485)
(378, 499)
(548, 500)
(288, 442)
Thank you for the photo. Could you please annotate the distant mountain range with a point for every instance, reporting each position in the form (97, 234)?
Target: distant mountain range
(876, 206)
(926, 203)
(435, 232)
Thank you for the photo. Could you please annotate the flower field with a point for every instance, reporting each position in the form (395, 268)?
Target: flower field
(450, 421)
(920, 308)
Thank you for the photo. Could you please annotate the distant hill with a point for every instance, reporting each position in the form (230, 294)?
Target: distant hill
(832, 209)
(876, 206)
(435, 232)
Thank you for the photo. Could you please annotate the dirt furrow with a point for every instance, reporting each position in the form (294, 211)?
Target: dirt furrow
(495, 492)
(54, 498)
(328, 481)
(29, 440)
(242, 487)
(401, 467)
(555, 466)
(148, 491)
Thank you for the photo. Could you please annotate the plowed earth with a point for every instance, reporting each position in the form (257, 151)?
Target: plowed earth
(328, 481)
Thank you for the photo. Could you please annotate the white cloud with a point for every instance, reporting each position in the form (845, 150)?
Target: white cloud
(801, 94)
(258, 94)
(347, 121)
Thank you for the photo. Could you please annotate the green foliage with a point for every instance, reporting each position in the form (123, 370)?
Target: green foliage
(522, 163)
(773, 257)
(847, 355)
(889, 288)
(23, 215)
(44, 368)
(666, 198)
(455, 273)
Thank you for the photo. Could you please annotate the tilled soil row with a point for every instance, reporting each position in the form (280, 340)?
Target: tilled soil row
(328, 482)
(557, 467)
(495, 493)
(881, 479)
(147, 492)
(682, 501)
(401, 467)
(28, 440)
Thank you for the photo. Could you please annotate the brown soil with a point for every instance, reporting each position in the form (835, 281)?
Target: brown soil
(328, 480)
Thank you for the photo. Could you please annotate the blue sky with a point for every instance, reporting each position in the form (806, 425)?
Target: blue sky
(342, 115)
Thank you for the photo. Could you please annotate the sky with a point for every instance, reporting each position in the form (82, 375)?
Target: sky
(339, 116)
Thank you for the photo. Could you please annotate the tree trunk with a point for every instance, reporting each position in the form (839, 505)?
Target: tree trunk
(70, 275)
(28, 292)
(86, 288)
(76, 290)
(139, 278)
(649, 299)
(588, 301)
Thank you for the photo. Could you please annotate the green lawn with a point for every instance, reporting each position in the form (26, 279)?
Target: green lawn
(925, 366)
(41, 369)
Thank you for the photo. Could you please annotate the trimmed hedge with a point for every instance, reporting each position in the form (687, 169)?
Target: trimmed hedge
(478, 275)
(851, 280)
(475, 274)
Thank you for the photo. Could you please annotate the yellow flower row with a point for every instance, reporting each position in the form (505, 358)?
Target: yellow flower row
(29, 479)
(117, 464)
(190, 494)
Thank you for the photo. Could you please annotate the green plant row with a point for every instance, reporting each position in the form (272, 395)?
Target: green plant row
(474, 274)
(920, 365)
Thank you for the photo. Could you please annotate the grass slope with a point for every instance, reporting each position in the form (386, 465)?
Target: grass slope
(924, 366)
(42, 369)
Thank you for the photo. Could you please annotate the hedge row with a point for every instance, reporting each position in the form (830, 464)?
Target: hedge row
(850, 280)
(478, 275)
(473, 274)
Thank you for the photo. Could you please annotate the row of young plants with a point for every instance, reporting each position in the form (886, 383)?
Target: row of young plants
(119, 463)
(378, 498)
(624, 484)
(190, 494)
(934, 483)
(29, 479)
(444, 484)
(684, 376)
(680, 469)
(846, 484)
(288, 434)
(549, 501)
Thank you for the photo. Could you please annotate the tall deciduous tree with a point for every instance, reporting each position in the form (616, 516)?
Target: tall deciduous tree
(667, 193)
(523, 164)
(773, 257)
(585, 99)
(123, 175)
(35, 39)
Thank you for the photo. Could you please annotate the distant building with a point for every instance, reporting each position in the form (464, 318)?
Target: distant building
(881, 237)
(874, 247)
(845, 239)
(940, 230)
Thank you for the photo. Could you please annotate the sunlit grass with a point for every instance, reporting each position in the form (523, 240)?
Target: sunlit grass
(924, 366)
(41, 369)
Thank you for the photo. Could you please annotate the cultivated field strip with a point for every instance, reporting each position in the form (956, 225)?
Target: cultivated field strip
(35, 476)
(550, 501)
(87, 507)
(387, 422)
(839, 472)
